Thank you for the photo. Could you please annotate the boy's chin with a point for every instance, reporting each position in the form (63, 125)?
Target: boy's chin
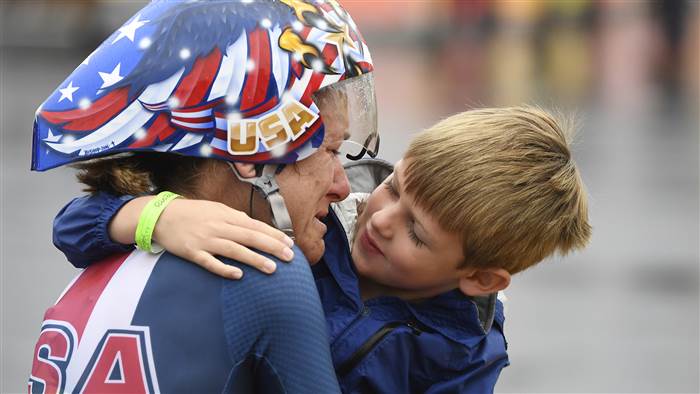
(362, 264)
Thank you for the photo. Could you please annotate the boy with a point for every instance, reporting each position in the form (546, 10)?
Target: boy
(411, 272)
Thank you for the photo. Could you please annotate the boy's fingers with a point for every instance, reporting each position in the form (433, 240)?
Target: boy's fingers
(243, 220)
(256, 240)
(216, 266)
(235, 251)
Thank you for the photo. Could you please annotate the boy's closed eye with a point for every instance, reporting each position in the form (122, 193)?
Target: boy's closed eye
(410, 224)
(390, 187)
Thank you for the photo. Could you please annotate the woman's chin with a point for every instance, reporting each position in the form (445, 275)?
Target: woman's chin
(313, 250)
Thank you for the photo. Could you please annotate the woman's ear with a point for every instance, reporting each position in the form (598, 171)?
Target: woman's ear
(484, 281)
(245, 170)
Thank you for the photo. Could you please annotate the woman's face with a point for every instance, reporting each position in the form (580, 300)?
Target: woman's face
(401, 248)
(309, 186)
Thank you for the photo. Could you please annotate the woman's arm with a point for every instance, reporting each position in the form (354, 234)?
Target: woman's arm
(92, 227)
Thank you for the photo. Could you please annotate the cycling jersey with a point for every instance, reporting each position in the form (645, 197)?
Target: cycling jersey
(146, 323)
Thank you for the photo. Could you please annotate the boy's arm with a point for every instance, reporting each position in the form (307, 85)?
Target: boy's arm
(80, 229)
(93, 227)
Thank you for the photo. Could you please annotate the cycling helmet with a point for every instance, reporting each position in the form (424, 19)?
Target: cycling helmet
(234, 80)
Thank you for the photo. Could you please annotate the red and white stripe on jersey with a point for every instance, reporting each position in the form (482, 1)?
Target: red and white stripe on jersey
(103, 297)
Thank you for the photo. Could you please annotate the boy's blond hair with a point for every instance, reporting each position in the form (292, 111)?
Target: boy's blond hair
(504, 179)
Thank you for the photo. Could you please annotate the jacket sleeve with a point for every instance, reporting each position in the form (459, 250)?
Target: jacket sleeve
(80, 228)
(481, 374)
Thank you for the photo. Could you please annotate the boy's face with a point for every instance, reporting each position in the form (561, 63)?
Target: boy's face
(401, 248)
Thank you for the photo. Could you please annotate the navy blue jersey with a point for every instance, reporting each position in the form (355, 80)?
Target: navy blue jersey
(145, 323)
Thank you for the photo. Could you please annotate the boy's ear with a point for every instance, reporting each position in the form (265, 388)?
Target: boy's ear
(484, 281)
(245, 170)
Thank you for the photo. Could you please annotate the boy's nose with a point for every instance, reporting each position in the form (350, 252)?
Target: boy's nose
(381, 222)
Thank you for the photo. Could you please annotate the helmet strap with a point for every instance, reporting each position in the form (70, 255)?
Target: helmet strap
(266, 184)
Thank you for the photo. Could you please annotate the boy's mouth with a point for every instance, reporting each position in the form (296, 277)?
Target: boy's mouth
(369, 244)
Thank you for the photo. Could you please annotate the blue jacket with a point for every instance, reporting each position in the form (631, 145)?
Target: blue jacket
(448, 343)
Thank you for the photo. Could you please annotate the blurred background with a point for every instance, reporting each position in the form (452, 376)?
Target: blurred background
(621, 316)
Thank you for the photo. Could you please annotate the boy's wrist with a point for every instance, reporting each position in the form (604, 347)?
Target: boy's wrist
(149, 217)
(122, 227)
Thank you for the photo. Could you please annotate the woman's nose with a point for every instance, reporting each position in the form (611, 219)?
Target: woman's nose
(340, 188)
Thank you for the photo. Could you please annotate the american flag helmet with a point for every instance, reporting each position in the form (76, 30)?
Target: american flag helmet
(229, 79)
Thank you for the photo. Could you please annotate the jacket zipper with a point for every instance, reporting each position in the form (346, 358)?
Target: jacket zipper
(363, 313)
(367, 347)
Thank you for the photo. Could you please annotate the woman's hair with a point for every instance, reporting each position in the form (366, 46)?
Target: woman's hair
(505, 181)
(142, 173)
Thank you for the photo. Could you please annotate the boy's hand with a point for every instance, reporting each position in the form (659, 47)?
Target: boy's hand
(197, 230)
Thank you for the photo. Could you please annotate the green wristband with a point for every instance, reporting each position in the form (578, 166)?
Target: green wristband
(149, 216)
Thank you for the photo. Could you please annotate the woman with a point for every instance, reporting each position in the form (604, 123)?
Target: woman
(243, 97)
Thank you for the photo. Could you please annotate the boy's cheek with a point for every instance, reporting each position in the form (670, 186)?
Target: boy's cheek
(378, 198)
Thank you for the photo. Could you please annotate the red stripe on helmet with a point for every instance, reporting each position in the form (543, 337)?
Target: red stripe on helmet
(160, 130)
(198, 108)
(191, 127)
(221, 134)
(93, 117)
(204, 119)
(329, 54)
(219, 152)
(304, 33)
(257, 80)
(271, 103)
(297, 68)
(365, 67)
(197, 82)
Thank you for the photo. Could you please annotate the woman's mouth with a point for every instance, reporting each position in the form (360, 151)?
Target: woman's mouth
(320, 225)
